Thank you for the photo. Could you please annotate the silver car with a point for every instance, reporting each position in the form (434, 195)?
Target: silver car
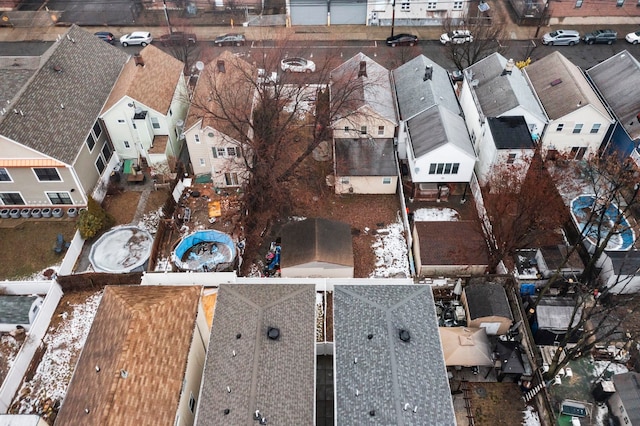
(297, 65)
(561, 38)
(137, 37)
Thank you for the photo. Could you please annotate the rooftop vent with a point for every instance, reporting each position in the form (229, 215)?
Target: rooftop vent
(220, 66)
(273, 333)
(556, 82)
(138, 60)
(370, 336)
(404, 335)
(57, 68)
(508, 68)
(362, 72)
(428, 72)
(87, 411)
(124, 374)
(97, 368)
(372, 413)
(239, 335)
(226, 411)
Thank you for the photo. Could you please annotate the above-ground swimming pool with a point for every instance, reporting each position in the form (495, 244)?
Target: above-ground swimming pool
(581, 211)
(122, 249)
(205, 251)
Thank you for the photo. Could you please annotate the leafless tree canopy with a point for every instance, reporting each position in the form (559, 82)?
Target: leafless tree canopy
(488, 36)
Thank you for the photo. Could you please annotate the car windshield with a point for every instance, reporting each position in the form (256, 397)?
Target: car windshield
(553, 34)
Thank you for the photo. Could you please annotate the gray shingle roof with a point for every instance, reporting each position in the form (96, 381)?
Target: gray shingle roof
(570, 91)
(365, 157)
(510, 132)
(79, 74)
(628, 389)
(273, 376)
(555, 313)
(618, 80)
(375, 90)
(497, 93)
(414, 94)
(486, 300)
(389, 373)
(14, 74)
(436, 127)
(316, 240)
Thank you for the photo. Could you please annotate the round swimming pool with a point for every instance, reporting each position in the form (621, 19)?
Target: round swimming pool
(122, 249)
(581, 211)
(205, 251)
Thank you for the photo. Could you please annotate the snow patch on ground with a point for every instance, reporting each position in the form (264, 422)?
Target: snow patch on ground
(530, 417)
(150, 221)
(63, 345)
(391, 253)
(435, 215)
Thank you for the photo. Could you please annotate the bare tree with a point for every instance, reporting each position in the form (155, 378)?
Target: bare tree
(488, 34)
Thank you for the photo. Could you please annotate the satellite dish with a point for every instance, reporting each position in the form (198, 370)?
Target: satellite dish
(199, 65)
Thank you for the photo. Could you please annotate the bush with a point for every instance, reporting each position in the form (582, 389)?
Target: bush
(93, 220)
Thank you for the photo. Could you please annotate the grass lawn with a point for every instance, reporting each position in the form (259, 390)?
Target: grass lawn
(28, 247)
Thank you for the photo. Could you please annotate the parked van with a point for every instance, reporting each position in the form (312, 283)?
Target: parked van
(561, 38)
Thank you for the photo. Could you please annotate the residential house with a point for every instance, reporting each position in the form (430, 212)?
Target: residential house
(592, 12)
(145, 112)
(142, 360)
(617, 79)
(317, 247)
(623, 404)
(620, 271)
(449, 248)
(53, 149)
(496, 88)
(578, 120)
(487, 307)
(260, 364)
(416, 13)
(433, 141)
(217, 148)
(365, 166)
(389, 364)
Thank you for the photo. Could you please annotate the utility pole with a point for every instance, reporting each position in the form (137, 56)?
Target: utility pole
(166, 15)
(393, 16)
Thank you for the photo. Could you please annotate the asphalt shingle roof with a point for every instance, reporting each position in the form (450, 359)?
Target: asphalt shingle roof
(452, 243)
(389, 374)
(618, 80)
(436, 127)
(79, 74)
(365, 157)
(273, 376)
(147, 332)
(415, 94)
(510, 132)
(316, 240)
(487, 300)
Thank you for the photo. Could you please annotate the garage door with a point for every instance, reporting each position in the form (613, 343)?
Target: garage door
(345, 12)
(308, 12)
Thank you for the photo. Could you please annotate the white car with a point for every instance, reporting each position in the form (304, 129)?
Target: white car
(633, 38)
(267, 78)
(137, 37)
(297, 65)
(456, 37)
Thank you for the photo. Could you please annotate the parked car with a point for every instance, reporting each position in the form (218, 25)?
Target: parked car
(297, 65)
(456, 37)
(230, 40)
(456, 75)
(561, 38)
(402, 40)
(178, 38)
(601, 36)
(106, 36)
(633, 38)
(137, 37)
(267, 78)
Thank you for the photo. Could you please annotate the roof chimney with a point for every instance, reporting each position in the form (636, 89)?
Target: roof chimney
(220, 66)
(508, 68)
(138, 58)
(363, 69)
(428, 72)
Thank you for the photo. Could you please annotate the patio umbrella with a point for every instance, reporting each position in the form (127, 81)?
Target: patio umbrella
(465, 346)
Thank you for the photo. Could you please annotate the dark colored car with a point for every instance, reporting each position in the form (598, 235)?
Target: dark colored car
(106, 36)
(601, 37)
(230, 40)
(178, 38)
(402, 40)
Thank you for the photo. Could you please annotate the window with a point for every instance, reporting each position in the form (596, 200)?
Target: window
(155, 123)
(134, 125)
(59, 197)
(457, 5)
(443, 168)
(405, 6)
(344, 180)
(91, 142)
(202, 163)
(595, 128)
(97, 130)
(380, 130)
(126, 144)
(4, 175)
(170, 113)
(196, 138)
(221, 152)
(577, 128)
(231, 179)
(100, 164)
(432, 5)
(47, 174)
(11, 198)
(346, 128)
(578, 3)
(192, 403)
(619, 3)
(231, 151)
(511, 159)
(106, 152)
(363, 130)
(386, 181)
(120, 121)
(560, 127)
(578, 153)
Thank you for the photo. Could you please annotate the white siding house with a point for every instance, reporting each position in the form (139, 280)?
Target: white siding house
(415, 13)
